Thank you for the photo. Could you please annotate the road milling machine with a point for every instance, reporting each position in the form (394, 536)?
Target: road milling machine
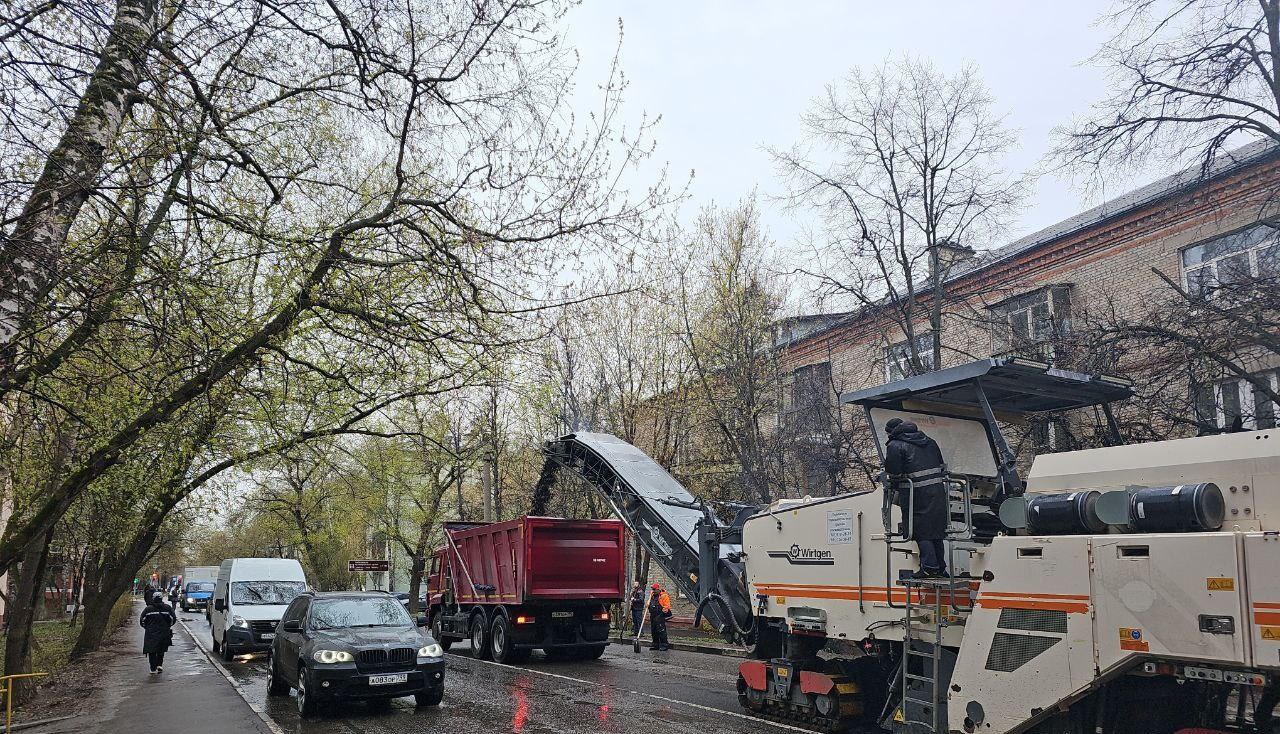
(1126, 589)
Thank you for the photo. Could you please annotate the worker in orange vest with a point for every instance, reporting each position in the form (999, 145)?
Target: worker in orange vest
(659, 613)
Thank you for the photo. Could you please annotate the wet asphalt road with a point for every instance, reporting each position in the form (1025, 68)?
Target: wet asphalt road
(621, 692)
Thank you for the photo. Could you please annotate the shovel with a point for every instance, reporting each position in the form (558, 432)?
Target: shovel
(635, 645)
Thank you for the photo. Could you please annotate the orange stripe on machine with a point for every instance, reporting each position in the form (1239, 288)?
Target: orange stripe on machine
(1070, 607)
(1271, 618)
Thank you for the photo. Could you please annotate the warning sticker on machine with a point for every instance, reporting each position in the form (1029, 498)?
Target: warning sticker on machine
(1220, 583)
(839, 527)
(1131, 639)
(1270, 633)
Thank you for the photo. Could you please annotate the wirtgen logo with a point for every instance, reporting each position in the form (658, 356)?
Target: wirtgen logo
(798, 556)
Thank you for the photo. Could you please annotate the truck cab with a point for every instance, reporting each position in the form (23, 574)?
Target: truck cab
(196, 595)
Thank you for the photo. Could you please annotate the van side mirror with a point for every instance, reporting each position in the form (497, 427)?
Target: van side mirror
(291, 625)
(219, 605)
(422, 620)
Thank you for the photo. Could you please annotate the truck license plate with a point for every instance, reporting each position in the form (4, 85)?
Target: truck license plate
(561, 615)
(268, 635)
(384, 680)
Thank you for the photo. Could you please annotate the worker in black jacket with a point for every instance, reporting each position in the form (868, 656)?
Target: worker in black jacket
(911, 455)
(158, 620)
(637, 607)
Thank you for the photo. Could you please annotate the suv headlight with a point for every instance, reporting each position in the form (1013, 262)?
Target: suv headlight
(328, 657)
(238, 621)
(430, 651)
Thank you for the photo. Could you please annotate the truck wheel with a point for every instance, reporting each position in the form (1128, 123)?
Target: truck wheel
(594, 652)
(437, 631)
(479, 638)
(227, 655)
(500, 640)
(216, 647)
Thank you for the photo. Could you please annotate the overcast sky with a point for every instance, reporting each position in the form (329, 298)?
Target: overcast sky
(731, 77)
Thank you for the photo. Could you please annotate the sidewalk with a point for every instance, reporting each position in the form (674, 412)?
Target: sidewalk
(190, 694)
(687, 643)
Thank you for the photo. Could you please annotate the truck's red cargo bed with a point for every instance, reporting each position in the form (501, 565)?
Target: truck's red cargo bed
(539, 559)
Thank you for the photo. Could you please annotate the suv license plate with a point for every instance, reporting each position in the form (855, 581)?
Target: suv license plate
(268, 635)
(384, 680)
(561, 615)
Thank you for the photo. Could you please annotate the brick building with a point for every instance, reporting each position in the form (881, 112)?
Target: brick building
(1033, 296)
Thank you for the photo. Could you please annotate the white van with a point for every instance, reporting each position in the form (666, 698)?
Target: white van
(250, 596)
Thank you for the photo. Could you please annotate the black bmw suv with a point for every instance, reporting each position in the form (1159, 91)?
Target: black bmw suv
(353, 645)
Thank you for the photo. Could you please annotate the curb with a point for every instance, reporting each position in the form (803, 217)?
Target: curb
(272, 726)
(729, 652)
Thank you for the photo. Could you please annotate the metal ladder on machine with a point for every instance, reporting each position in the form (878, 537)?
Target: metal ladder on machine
(924, 692)
(925, 617)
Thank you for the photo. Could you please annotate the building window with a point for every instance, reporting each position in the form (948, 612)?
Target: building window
(1227, 403)
(811, 386)
(1232, 259)
(897, 358)
(1027, 325)
(809, 397)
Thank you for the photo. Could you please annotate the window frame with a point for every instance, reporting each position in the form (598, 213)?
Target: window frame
(1054, 298)
(1246, 396)
(1203, 286)
(925, 341)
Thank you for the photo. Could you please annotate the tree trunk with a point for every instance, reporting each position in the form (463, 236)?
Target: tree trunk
(415, 574)
(26, 600)
(486, 483)
(29, 255)
(114, 579)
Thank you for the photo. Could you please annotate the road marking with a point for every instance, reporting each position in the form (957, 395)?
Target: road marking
(637, 693)
(262, 714)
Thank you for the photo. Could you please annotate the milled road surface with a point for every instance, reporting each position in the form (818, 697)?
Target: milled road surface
(621, 692)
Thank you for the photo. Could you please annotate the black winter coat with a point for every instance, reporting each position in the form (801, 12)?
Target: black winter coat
(908, 452)
(158, 621)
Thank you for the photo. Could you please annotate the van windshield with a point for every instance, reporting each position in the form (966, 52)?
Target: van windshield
(265, 592)
(199, 586)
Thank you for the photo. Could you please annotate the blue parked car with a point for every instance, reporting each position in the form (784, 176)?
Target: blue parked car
(196, 595)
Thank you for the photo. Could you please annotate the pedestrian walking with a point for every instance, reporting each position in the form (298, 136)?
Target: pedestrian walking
(659, 613)
(637, 607)
(158, 620)
(912, 455)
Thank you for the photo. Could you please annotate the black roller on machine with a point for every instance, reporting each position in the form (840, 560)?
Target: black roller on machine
(1069, 513)
(1180, 509)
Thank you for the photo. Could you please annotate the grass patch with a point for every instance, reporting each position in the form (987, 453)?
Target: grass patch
(122, 611)
(52, 640)
(50, 645)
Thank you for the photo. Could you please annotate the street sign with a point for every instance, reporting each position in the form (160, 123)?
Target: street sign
(368, 566)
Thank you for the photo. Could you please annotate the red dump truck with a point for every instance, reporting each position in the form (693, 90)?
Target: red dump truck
(534, 582)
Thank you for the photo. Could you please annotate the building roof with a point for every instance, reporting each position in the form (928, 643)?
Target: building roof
(1226, 163)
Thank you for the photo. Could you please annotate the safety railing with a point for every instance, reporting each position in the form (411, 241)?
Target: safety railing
(7, 688)
(953, 534)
